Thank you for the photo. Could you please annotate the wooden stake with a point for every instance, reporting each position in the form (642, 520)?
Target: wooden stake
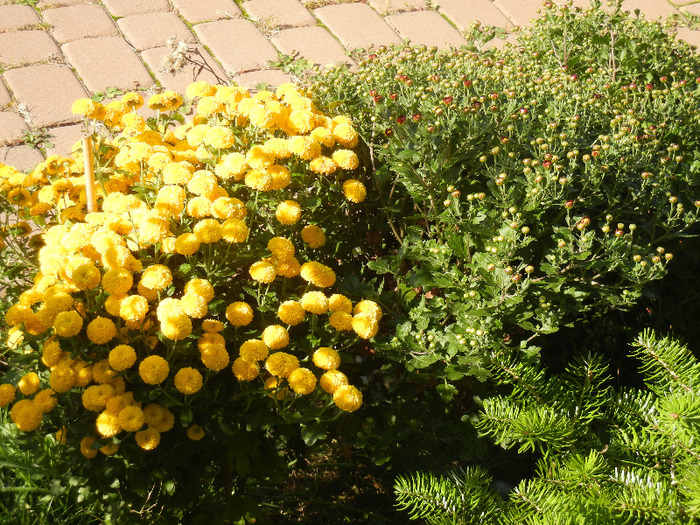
(89, 161)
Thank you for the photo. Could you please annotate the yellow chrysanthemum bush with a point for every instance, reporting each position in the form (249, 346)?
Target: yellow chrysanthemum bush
(197, 309)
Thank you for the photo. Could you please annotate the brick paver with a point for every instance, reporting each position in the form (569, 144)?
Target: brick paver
(463, 14)
(149, 30)
(27, 47)
(12, 127)
(271, 77)
(135, 7)
(22, 157)
(107, 62)
(15, 16)
(276, 13)
(190, 73)
(386, 7)
(314, 44)
(195, 11)
(79, 21)
(237, 43)
(427, 28)
(357, 26)
(5, 98)
(47, 90)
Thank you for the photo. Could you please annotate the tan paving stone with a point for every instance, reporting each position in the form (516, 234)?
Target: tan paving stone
(237, 44)
(153, 29)
(196, 11)
(52, 4)
(315, 44)
(693, 9)
(107, 62)
(12, 127)
(79, 21)
(190, 73)
(23, 157)
(15, 16)
(386, 7)
(5, 98)
(272, 77)
(689, 35)
(651, 8)
(279, 13)
(47, 90)
(463, 14)
(135, 7)
(357, 26)
(519, 12)
(427, 28)
(27, 47)
(63, 138)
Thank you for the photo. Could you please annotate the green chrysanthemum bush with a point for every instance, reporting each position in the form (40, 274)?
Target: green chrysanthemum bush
(526, 188)
(196, 308)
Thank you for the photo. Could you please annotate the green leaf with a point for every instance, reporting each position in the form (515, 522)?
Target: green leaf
(312, 433)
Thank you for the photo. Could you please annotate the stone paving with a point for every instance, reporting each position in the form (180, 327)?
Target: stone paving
(55, 51)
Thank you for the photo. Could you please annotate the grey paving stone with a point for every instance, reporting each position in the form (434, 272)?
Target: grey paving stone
(23, 157)
(427, 28)
(190, 73)
(386, 7)
(107, 62)
(149, 30)
(357, 26)
(135, 7)
(15, 16)
(12, 127)
(463, 14)
(315, 44)
(79, 21)
(27, 47)
(279, 13)
(237, 44)
(271, 77)
(63, 138)
(195, 11)
(47, 90)
(5, 97)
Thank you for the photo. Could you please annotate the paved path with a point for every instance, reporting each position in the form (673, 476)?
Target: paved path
(55, 51)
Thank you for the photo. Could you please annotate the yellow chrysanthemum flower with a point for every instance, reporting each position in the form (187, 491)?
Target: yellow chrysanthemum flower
(154, 370)
(234, 231)
(315, 302)
(304, 147)
(346, 159)
(323, 165)
(187, 244)
(117, 281)
(239, 313)
(200, 89)
(122, 357)
(253, 350)
(302, 381)
(133, 308)
(345, 135)
(176, 327)
(288, 212)
(215, 357)
(277, 147)
(275, 337)
(195, 306)
(326, 358)
(340, 321)
(28, 383)
(317, 274)
(195, 432)
(166, 101)
(26, 415)
(368, 307)
(354, 191)
(291, 312)
(158, 417)
(281, 364)
(188, 380)
(7, 394)
(232, 166)
(365, 325)
(263, 271)
(331, 380)
(45, 400)
(207, 231)
(324, 136)
(131, 418)
(107, 424)
(347, 398)
(281, 247)
(200, 287)
(245, 370)
(86, 447)
(101, 330)
(147, 439)
(68, 324)
(212, 326)
(157, 277)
